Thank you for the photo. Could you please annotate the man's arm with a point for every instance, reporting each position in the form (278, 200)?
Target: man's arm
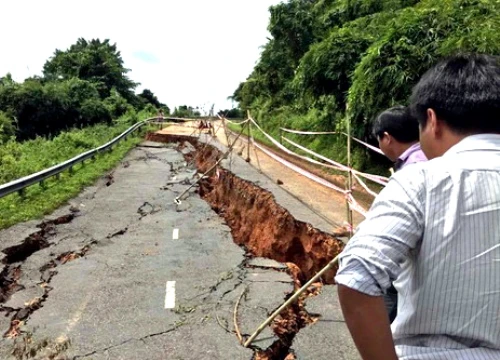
(368, 323)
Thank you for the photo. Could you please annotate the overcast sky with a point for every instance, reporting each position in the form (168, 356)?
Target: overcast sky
(192, 52)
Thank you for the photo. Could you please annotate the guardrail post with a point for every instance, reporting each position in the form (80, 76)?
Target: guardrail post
(43, 185)
(71, 170)
(58, 176)
(22, 193)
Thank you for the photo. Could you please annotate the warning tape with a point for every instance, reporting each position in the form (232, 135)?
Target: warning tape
(364, 186)
(375, 178)
(242, 122)
(298, 169)
(337, 164)
(238, 122)
(369, 146)
(354, 205)
(309, 132)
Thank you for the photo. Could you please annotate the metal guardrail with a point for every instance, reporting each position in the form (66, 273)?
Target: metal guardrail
(39, 177)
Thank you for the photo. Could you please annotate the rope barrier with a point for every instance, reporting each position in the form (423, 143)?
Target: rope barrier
(371, 147)
(356, 206)
(364, 186)
(334, 163)
(375, 178)
(298, 132)
(299, 170)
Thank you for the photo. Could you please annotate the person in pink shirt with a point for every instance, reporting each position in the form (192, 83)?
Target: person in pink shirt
(398, 138)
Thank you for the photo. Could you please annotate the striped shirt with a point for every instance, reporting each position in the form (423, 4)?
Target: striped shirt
(435, 231)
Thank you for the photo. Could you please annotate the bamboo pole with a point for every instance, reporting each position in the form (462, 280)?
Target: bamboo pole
(248, 142)
(349, 174)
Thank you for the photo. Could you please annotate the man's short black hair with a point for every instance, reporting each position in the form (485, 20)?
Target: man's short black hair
(464, 91)
(397, 122)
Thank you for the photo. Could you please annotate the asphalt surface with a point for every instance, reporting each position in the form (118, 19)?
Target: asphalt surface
(149, 279)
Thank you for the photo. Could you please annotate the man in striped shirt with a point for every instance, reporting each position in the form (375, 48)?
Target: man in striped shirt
(435, 229)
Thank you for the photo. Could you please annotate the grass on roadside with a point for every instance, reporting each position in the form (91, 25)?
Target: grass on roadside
(40, 201)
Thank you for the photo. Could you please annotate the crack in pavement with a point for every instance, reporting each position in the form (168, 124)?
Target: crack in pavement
(147, 209)
(33, 243)
(118, 233)
(143, 339)
(47, 274)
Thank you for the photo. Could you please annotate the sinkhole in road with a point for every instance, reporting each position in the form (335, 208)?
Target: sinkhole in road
(264, 229)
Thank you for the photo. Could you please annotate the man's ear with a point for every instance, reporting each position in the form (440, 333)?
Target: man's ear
(388, 136)
(435, 126)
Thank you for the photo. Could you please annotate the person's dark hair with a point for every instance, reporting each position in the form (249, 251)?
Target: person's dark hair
(397, 122)
(464, 91)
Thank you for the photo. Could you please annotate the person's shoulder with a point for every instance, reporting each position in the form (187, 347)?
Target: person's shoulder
(411, 171)
(425, 173)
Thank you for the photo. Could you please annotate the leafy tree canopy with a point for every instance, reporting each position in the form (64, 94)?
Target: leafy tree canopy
(96, 61)
(81, 86)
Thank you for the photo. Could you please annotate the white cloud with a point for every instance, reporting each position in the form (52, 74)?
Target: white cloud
(192, 52)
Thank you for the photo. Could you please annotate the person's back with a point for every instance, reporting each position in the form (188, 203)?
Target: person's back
(435, 229)
(456, 267)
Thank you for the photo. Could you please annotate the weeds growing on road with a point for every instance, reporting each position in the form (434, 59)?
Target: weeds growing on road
(21, 159)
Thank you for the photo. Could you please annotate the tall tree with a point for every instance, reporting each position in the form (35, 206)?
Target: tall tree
(148, 97)
(97, 61)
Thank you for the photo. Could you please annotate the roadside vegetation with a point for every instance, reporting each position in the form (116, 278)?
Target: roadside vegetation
(330, 60)
(83, 99)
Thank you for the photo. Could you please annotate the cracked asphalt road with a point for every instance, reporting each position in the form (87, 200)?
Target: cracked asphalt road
(98, 291)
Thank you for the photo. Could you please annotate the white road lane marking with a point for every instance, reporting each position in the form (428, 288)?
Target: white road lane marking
(175, 234)
(170, 295)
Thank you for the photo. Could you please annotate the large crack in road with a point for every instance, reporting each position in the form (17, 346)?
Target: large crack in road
(264, 229)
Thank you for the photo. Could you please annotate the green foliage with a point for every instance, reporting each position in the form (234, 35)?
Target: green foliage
(7, 128)
(116, 104)
(148, 98)
(84, 85)
(95, 61)
(420, 36)
(186, 111)
(19, 159)
(234, 113)
(333, 59)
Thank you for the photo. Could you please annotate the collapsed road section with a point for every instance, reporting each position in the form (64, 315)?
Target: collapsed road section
(125, 272)
(265, 229)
